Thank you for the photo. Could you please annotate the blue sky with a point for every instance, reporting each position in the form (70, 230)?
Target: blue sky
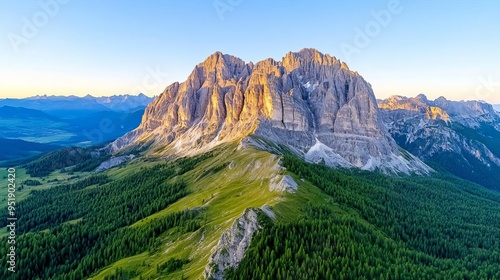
(448, 48)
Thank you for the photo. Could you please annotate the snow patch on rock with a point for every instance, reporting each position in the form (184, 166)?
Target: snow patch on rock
(398, 164)
(320, 152)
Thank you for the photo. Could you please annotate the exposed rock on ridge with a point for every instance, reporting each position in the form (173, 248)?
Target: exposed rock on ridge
(232, 245)
(305, 99)
(112, 162)
(283, 184)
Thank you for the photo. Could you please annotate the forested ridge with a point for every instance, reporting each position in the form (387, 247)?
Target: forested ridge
(73, 230)
(361, 225)
(403, 228)
(73, 159)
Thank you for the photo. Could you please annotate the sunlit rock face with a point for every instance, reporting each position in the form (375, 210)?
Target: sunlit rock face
(468, 113)
(309, 101)
(461, 136)
(419, 106)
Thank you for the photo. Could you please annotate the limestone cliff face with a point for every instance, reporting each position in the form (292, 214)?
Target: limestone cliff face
(309, 101)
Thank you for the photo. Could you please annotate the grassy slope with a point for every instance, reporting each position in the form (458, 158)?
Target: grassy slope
(225, 194)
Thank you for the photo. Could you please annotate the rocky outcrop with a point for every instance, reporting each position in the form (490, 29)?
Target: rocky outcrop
(112, 162)
(232, 245)
(269, 212)
(305, 99)
(283, 183)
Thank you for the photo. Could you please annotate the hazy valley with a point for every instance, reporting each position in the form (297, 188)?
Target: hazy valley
(43, 123)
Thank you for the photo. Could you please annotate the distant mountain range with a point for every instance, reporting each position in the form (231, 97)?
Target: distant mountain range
(74, 103)
(43, 123)
(461, 137)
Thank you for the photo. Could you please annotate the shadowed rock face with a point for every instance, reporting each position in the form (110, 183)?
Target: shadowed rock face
(309, 101)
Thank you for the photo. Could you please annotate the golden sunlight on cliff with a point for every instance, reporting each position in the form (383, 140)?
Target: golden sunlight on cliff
(436, 113)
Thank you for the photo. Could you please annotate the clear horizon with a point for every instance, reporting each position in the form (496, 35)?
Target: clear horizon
(58, 47)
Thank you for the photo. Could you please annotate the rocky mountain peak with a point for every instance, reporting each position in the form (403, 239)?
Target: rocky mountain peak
(219, 60)
(440, 101)
(469, 113)
(397, 102)
(218, 67)
(308, 56)
(310, 102)
(418, 106)
(422, 98)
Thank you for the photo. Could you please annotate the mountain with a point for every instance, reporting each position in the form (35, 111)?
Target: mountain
(496, 107)
(73, 103)
(124, 102)
(55, 103)
(309, 102)
(462, 137)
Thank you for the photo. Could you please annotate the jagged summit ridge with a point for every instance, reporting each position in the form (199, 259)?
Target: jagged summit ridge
(308, 101)
(469, 113)
(419, 105)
